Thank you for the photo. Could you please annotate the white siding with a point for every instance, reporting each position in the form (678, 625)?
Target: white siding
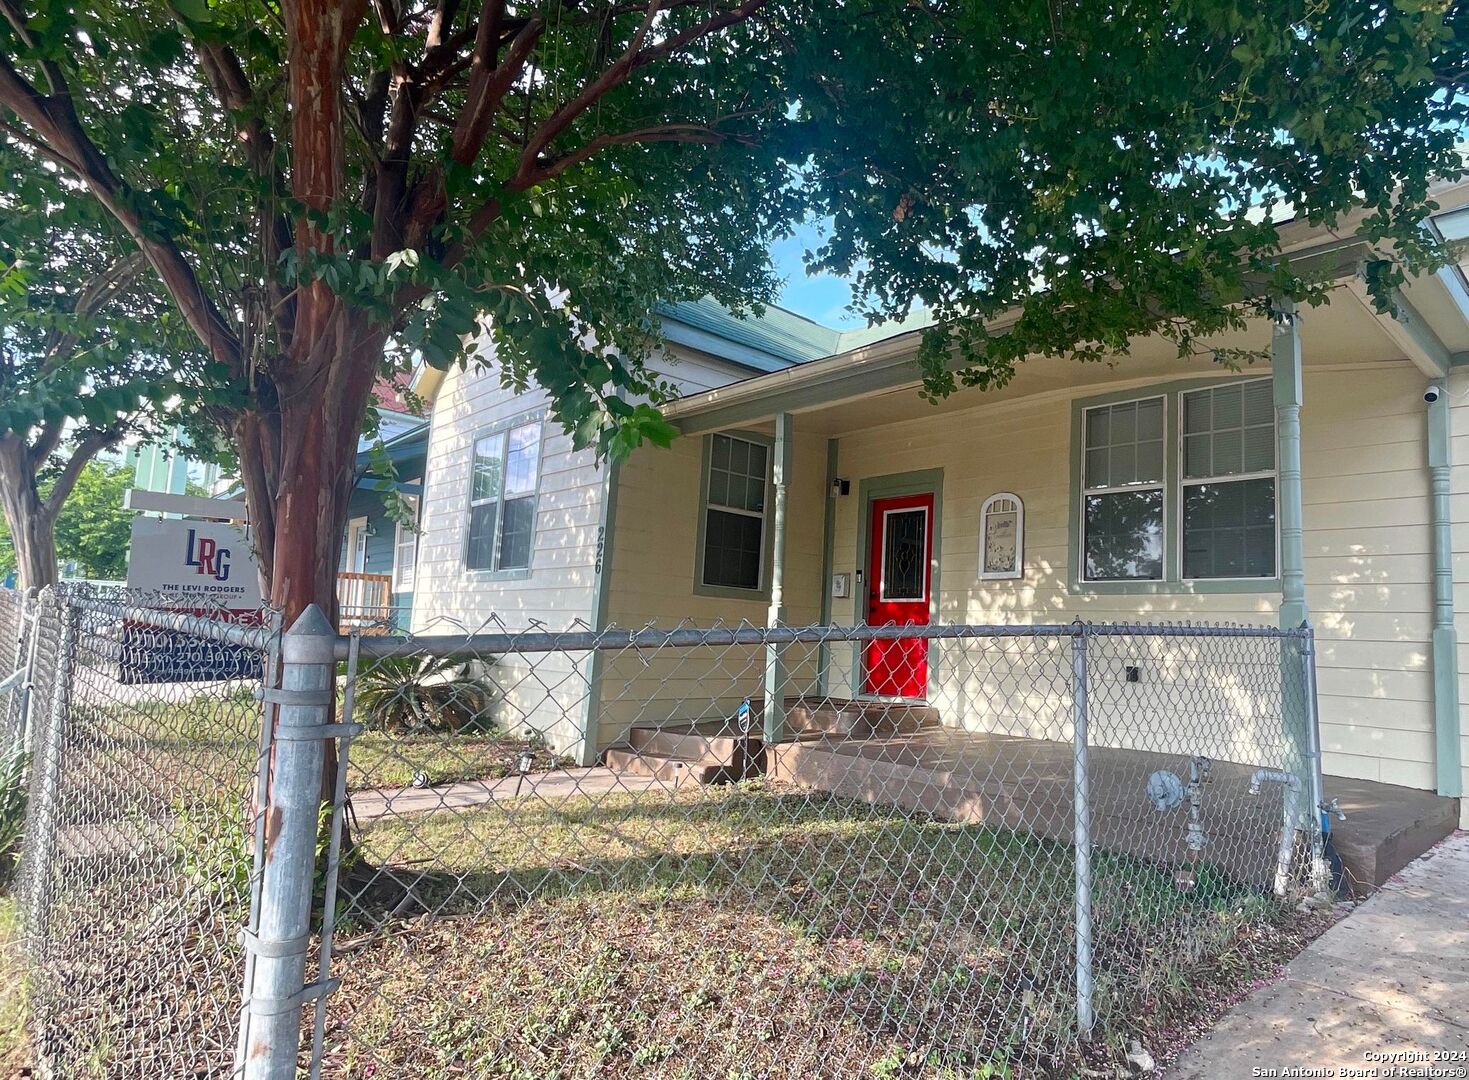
(560, 590)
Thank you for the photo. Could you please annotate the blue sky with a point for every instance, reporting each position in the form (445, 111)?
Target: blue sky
(823, 297)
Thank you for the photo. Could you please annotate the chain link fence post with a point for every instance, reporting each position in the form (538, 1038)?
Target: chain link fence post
(51, 743)
(334, 843)
(1085, 1014)
(276, 992)
(1320, 871)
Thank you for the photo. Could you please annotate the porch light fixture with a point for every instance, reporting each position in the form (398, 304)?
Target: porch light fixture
(840, 487)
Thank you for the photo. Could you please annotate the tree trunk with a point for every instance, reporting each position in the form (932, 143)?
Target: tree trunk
(297, 469)
(315, 441)
(32, 526)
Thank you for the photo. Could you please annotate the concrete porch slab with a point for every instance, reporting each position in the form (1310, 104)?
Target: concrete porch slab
(1027, 784)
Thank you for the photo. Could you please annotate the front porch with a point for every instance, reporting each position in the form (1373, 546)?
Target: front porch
(1026, 784)
(1314, 484)
(899, 755)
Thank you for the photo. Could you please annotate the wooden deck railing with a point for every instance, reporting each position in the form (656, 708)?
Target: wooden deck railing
(365, 602)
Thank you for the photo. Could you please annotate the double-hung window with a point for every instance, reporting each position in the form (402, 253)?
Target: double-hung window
(502, 498)
(1228, 503)
(1123, 491)
(1180, 486)
(405, 547)
(733, 553)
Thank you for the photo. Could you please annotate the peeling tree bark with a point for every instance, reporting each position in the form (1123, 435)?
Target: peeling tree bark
(32, 526)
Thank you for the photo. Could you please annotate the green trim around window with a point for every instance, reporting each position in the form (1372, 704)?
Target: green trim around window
(1172, 582)
(767, 531)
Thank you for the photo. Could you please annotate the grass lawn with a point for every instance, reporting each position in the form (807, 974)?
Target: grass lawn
(209, 739)
(14, 1047)
(759, 931)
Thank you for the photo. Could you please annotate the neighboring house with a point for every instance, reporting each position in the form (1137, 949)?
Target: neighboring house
(375, 579)
(1320, 482)
(164, 465)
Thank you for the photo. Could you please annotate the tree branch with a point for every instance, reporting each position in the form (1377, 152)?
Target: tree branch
(54, 78)
(50, 153)
(696, 134)
(490, 77)
(90, 446)
(55, 123)
(48, 438)
(633, 57)
(113, 279)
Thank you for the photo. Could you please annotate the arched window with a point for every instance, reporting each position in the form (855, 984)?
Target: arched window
(1002, 537)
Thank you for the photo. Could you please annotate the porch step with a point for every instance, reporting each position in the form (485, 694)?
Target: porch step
(709, 743)
(858, 719)
(668, 767)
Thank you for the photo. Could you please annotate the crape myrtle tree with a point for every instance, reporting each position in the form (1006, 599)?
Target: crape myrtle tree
(325, 190)
(1119, 169)
(93, 526)
(89, 354)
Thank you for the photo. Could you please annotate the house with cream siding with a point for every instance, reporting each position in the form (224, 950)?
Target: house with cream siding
(1323, 482)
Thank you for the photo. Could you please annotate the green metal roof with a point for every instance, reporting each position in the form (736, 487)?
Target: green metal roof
(773, 340)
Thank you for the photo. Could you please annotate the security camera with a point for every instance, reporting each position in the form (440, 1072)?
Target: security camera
(1431, 394)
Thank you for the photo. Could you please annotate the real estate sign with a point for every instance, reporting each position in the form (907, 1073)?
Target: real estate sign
(200, 568)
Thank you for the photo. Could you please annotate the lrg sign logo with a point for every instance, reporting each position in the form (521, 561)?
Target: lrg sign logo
(207, 557)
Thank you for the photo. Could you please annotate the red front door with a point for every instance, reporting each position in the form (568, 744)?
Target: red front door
(899, 586)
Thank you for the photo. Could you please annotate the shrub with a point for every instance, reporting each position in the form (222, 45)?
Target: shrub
(409, 694)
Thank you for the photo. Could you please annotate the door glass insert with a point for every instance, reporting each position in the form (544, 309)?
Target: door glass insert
(904, 554)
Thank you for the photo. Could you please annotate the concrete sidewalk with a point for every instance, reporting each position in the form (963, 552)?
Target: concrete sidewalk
(556, 786)
(1390, 979)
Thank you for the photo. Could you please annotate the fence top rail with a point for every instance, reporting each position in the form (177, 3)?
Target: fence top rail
(250, 636)
(650, 638)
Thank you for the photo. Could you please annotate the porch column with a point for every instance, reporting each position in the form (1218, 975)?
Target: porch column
(1445, 637)
(775, 679)
(1285, 359)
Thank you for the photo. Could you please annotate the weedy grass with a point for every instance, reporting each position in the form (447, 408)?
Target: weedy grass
(758, 930)
(14, 1046)
(208, 738)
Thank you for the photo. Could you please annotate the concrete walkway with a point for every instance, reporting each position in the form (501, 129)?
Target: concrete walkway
(1392, 978)
(556, 786)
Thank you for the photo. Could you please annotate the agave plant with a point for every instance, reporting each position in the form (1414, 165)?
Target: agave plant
(407, 694)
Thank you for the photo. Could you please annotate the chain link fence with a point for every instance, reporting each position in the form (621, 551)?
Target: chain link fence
(720, 851)
(141, 730)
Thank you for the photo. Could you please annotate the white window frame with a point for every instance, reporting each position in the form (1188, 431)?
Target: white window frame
(399, 529)
(502, 432)
(1160, 486)
(1018, 570)
(1183, 482)
(708, 504)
